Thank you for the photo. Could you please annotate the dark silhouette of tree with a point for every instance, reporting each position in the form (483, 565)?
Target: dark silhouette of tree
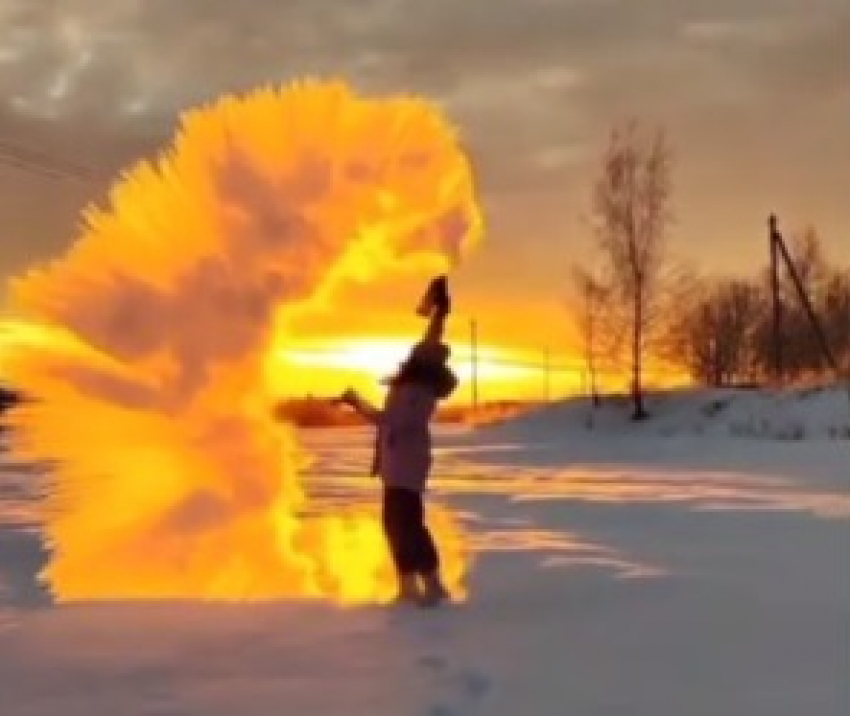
(591, 295)
(724, 332)
(835, 305)
(713, 336)
(631, 212)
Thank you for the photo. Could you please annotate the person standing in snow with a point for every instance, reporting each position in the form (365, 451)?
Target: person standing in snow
(403, 450)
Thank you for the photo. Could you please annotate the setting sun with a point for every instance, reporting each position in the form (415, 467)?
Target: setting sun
(325, 366)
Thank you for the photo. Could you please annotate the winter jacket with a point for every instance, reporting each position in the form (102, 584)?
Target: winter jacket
(403, 440)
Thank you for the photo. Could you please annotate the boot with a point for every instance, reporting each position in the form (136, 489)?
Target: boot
(408, 589)
(433, 590)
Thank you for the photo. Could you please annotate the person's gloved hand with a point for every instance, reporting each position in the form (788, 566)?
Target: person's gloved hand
(436, 298)
(442, 299)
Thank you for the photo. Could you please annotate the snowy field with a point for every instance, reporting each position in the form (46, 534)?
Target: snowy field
(695, 565)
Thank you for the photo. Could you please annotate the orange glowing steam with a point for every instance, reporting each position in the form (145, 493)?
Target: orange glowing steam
(148, 350)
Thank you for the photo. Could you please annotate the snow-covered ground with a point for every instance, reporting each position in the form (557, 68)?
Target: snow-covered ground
(681, 567)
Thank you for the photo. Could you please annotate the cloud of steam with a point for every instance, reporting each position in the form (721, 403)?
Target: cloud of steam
(146, 346)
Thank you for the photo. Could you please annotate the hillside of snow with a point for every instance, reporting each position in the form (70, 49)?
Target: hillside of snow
(811, 414)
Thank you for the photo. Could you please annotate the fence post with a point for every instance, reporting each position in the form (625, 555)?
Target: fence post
(473, 357)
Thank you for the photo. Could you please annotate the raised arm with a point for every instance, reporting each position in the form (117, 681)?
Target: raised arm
(436, 305)
(436, 327)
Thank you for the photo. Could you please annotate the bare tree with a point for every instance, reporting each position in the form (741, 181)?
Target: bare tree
(803, 355)
(836, 315)
(724, 332)
(810, 296)
(591, 296)
(713, 334)
(630, 207)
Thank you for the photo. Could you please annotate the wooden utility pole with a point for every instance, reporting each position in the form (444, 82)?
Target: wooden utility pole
(473, 357)
(776, 332)
(778, 249)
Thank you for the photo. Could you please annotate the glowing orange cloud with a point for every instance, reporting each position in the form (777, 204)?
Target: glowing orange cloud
(150, 347)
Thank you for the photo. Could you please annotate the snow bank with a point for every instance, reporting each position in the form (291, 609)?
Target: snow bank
(818, 414)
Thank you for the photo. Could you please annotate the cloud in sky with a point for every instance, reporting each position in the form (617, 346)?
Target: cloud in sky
(534, 86)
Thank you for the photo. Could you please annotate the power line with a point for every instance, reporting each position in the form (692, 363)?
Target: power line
(515, 363)
(36, 161)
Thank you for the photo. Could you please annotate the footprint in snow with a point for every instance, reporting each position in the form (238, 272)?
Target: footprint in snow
(463, 689)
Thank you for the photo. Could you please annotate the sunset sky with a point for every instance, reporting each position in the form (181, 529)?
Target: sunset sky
(755, 95)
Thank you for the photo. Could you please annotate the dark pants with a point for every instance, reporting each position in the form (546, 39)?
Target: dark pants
(410, 542)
